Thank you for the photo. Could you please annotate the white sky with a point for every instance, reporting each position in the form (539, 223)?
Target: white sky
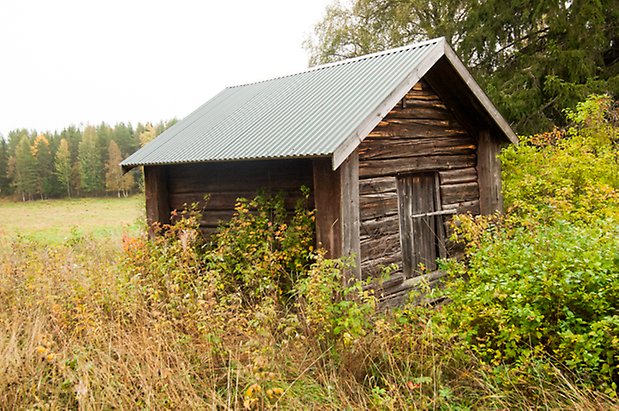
(76, 62)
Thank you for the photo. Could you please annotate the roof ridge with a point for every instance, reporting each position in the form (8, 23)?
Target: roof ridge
(407, 47)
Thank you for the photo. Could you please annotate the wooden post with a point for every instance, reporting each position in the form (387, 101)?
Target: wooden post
(489, 174)
(336, 196)
(157, 202)
(349, 205)
(327, 203)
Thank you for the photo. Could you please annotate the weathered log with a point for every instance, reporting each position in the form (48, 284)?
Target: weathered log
(429, 102)
(464, 207)
(157, 198)
(396, 295)
(381, 226)
(458, 193)
(372, 267)
(409, 129)
(414, 164)
(381, 246)
(415, 121)
(388, 149)
(327, 197)
(350, 214)
(380, 284)
(489, 172)
(459, 175)
(378, 205)
(435, 113)
(376, 185)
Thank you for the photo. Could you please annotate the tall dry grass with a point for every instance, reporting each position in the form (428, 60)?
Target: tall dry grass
(79, 331)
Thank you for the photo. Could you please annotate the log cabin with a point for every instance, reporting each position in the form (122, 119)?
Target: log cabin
(391, 145)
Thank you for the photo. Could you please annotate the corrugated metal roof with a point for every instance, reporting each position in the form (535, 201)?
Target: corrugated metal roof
(308, 114)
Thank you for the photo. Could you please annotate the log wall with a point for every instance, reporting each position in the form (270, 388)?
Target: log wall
(420, 134)
(225, 182)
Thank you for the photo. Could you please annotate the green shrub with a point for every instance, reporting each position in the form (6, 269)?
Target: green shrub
(262, 251)
(568, 175)
(553, 291)
(542, 281)
(333, 309)
(83, 332)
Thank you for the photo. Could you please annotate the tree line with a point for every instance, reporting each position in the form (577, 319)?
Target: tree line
(534, 58)
(75, 162)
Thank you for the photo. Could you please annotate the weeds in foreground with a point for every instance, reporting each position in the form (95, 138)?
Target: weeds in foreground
(91, 326)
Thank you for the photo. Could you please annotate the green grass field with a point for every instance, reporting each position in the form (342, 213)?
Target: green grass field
(54, 221)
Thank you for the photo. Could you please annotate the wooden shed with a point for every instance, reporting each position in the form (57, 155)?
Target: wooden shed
(391, 144)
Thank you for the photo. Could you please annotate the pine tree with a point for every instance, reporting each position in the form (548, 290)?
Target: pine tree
(91, 166)
(14, 137)
(104, 136)
(63, 167)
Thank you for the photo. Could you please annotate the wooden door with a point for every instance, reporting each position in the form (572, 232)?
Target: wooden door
(421, 223)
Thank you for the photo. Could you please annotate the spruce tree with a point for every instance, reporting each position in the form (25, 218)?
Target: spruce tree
(63, 167)
(90, 164)
(24, 172)
(4, 168)
(44, 166)
(125, 138)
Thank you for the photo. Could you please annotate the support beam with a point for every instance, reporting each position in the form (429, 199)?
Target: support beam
(327, 203)
(336, 197)
(349, 204)
(489, 173)
(157, 202)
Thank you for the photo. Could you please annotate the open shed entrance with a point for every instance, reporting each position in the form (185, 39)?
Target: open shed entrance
(422, 229)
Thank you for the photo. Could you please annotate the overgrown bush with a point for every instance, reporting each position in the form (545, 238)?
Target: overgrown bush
(542, 281)
(568, 175)
(262, 251)
(333, 308)
(549, 292)
(84, 332)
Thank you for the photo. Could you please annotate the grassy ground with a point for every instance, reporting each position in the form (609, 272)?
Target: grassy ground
(54, 221)
(87, 325)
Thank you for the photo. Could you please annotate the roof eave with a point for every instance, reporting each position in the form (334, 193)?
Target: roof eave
(127, 167)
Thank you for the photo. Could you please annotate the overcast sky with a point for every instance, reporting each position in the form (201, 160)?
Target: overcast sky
(78, 62)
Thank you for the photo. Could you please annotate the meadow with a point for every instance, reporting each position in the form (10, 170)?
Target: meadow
(56, 220)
